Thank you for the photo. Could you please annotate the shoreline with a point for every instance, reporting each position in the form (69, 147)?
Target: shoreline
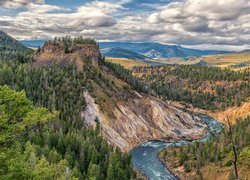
(168, 166)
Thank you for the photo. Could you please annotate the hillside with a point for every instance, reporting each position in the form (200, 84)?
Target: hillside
(11, 49)
(7, 43)
(239, 60)
(126, 63)
(209, 88)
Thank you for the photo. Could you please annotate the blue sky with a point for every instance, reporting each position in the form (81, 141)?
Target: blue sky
(210, 24)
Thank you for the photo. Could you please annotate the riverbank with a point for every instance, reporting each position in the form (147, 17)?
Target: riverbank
(221, 171)
(211, 159)
(145, 157)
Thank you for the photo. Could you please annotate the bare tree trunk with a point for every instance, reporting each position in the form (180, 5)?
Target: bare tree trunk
(234, 150)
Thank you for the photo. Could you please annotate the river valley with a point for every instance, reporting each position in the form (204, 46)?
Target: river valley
(145, 157)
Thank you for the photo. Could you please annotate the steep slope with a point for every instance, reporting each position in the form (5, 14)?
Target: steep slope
(13, 50)
(143, 118)
(127, 118)
(156, 50)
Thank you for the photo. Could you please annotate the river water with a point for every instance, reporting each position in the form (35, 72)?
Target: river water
(145, 157)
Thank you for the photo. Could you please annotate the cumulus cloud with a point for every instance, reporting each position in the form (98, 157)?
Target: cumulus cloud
(223, 23)
(213, 22)
(46, 21)
(14, 4)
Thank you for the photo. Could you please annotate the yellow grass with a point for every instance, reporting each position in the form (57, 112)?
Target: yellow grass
(227, 60)
(126, 63)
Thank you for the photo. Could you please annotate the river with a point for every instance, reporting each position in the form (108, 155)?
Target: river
(145, 157)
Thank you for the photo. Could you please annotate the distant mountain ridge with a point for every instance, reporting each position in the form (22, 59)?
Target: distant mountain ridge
(140, 51)
(33, 43)
(157, 50)
(124, 53)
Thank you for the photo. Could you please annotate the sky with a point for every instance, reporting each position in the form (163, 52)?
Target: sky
(201, 24)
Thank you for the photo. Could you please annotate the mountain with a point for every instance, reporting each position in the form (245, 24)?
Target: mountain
(245, 51)
(9, 44)
(33, 43)
(156, 50)
(124, 108)
(124, 53)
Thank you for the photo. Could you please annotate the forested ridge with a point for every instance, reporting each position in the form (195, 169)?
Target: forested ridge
(63, 148)
(11, 49)
(204, 87)
(216, 153)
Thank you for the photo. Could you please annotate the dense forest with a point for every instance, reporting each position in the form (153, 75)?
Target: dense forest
(64, 148)
(217, 153)
(127, 76)
(204, 87)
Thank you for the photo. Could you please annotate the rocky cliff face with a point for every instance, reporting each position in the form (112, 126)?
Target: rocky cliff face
(54, 52)
(143, 118)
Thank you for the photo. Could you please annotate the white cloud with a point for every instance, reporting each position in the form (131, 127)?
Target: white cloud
(46, 21)
(223, 23)
(14, 4)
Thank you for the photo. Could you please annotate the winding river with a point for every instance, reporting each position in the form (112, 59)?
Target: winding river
(145, 157)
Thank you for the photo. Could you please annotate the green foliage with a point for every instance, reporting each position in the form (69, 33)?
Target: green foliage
(17, 113)
(64, 148)
(128, 77)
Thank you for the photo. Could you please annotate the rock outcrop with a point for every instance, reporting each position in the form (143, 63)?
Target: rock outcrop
(55, 52)
(141, 119)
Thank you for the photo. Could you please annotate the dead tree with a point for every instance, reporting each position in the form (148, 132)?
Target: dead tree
(234, 149)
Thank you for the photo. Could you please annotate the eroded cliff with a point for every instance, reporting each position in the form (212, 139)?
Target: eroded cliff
(143, 118)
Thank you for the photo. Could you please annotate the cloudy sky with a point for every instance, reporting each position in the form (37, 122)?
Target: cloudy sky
(202, 24)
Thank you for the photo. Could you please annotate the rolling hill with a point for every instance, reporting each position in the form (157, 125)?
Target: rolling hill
(124, 53)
